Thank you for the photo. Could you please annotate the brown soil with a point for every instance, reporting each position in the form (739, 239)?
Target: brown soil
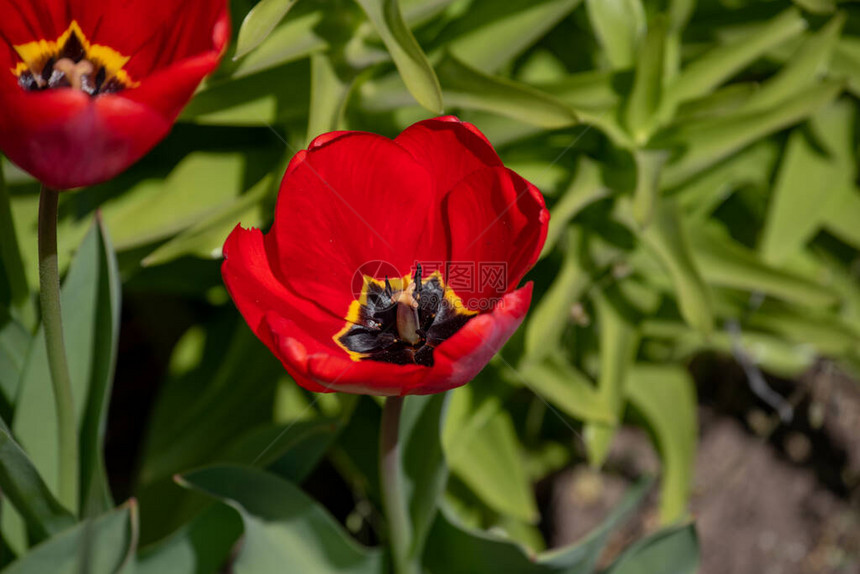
(768, 498)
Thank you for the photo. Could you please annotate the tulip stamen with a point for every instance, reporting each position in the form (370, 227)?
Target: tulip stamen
(71, 62)
(403, 320)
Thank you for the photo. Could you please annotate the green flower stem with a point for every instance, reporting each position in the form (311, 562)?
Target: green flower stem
(52, 320)
(392, 492)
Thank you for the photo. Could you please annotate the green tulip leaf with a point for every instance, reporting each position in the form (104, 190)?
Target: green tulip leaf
(655, 391)
(102, 545)
(283, 526)
(26, 490)
(259, 23)
(671, 551)
(619, 25)
(469, 88)
(411, 62)
(91, 312)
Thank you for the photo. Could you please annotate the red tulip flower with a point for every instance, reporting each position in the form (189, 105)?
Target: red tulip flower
(392, 266)
(87, 87)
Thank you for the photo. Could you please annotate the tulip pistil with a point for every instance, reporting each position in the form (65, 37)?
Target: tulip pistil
(402, 320)
(71, 62)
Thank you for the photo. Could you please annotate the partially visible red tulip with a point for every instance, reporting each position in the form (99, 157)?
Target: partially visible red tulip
(87, 87)
(392, 266)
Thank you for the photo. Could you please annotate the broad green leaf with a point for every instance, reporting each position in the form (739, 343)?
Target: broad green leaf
(328, 96)
(482, 450)
(551, 314)
(25, 489)
(414, 68)
(102, 545)
(471, 550)
(671, 551)
(469, 88)
(618, 25)
(201, 411)
(425, 472)
(720, 63)
(706, 142)
(283, 526)
(491, 34)
(260, 22)
(205, 239)
(619, 343)
(90, 299)
(644, 100)
(725, 262)
(806, 66)
(656, 391)
(95, 490)
(14, 290)
(291, 451)
(552, 378)
(667, 240)
(817, 164)
(202, 546)
(586, 188)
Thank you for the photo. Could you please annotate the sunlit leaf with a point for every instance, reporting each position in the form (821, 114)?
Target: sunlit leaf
(492, 34)
(468, 88)
(816, 166)
(260, 22)
(655, 391)
(414, 68)
(667, 240)
(618, 25)
(722, 62)
(619, 342)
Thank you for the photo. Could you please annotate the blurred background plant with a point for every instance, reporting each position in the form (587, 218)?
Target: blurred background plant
(699, 161)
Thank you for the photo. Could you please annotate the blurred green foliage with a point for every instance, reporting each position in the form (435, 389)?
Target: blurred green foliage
(699, 160)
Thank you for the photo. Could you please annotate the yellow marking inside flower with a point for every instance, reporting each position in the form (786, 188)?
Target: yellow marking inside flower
(35, 55)
(403, 289)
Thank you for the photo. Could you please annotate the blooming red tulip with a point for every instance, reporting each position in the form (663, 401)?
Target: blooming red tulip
(87, 87)
(392, 266)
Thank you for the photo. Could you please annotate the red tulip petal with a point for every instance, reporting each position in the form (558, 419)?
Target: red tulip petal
(24, 22)
(67, 139)
(497, 222)
(449, 149)
(458, 360)
(257, 290)
(357, 198)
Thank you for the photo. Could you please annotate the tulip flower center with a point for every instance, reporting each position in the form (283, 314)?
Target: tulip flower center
(71, 61)
(402, 320)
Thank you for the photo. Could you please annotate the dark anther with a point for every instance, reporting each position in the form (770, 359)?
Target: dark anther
(374, 334)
